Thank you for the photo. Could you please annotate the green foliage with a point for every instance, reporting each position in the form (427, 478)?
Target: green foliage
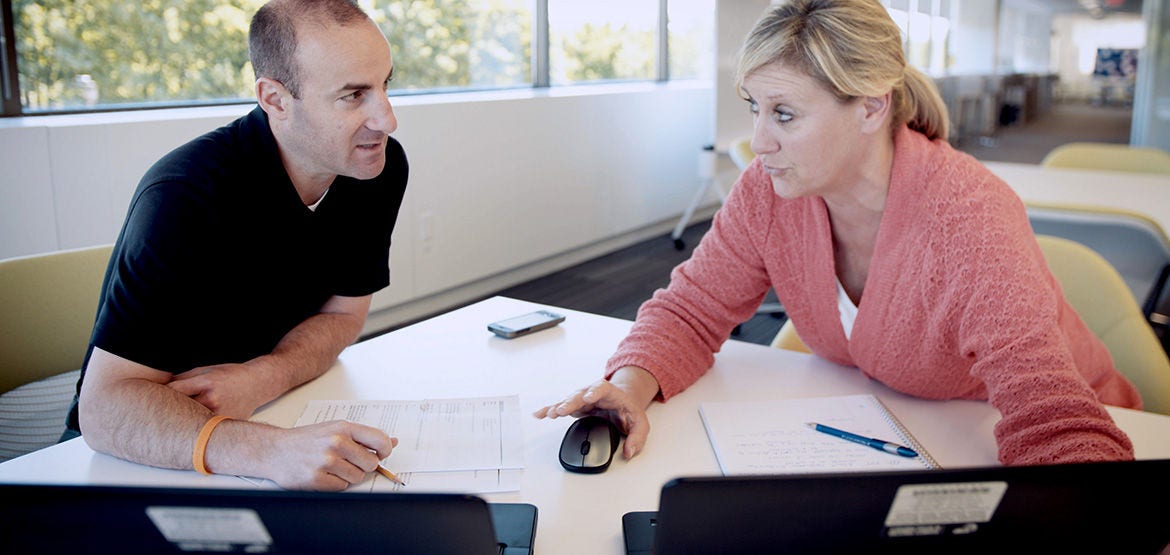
(600, 52)
(131, 52)
(453, 43)
(686, 55)
(168, 50)
(79, 54)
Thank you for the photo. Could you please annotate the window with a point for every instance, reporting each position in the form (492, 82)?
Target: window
(63, 56)
(86, 55)
(925, 26)
(441, 44)
(595, 40)
(692, 39)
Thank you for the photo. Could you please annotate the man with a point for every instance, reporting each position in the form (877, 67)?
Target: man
(247, 262)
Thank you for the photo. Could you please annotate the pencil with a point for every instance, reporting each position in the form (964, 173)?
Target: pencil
(390, 475)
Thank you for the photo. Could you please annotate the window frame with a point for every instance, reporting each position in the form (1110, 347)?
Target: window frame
(9, 78)
(11, 93)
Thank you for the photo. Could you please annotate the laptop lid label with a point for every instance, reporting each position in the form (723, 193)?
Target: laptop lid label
(211, 528)
(935, 509)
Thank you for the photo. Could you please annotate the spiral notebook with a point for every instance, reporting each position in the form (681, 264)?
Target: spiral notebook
(772, 437)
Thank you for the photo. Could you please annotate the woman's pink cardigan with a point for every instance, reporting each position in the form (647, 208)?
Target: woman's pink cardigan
(959, 304)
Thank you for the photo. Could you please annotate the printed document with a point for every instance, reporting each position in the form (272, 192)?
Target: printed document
(435, 435)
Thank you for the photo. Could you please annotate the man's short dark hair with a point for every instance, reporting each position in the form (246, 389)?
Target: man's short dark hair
(272, 37)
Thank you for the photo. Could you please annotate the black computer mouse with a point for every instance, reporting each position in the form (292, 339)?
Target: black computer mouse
(589, 445)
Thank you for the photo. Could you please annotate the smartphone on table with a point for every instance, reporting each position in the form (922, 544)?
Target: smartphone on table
(525, 324)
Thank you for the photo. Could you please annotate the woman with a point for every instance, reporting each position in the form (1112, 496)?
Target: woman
(890, 251)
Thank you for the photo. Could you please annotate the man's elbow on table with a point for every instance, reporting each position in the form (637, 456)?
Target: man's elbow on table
(120, 402)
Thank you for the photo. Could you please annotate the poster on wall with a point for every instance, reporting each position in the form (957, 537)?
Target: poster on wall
(1116, 63)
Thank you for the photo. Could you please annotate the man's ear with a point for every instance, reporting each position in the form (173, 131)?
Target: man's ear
(877, 111)
(273, 97)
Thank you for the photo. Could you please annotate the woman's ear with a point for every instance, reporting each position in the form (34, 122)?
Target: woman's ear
(273, 97)
(876, 111)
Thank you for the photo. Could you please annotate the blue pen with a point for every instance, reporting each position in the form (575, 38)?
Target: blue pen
(892, 448)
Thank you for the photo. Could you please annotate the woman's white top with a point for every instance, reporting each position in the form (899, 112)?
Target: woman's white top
(847, 309)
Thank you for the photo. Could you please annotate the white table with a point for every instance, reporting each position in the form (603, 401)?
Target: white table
(454, 355)
(1144, 193)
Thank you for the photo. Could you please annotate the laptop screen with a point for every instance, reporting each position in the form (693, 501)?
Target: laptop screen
(1121, 507)
(115, 519)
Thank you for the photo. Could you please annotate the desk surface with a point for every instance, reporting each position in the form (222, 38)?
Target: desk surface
(1144, 193)
(454, 355)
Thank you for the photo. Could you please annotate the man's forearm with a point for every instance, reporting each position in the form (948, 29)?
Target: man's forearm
(303, 354)
(167, 438)
(148, 416)
(127, 410)
(306, 352)
(137, 418)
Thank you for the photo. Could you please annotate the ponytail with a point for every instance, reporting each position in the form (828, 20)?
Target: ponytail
(921, 106)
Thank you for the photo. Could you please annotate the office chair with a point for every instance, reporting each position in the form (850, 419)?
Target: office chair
(1108, 156)
(1102, 299)
(1134, 244)
(788, 339)
(741, 153)
(48, 303)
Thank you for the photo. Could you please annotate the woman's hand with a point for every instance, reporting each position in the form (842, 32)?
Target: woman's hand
(625, 395)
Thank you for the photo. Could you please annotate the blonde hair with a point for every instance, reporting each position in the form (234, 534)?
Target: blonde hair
(853, 49)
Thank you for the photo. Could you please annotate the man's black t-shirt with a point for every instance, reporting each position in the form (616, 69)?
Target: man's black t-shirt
(219, 258)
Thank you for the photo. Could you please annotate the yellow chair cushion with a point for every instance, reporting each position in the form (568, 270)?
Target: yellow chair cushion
(1109, 156)
(1105, 303)
(788, 339)
(48, 303)
(741, 153)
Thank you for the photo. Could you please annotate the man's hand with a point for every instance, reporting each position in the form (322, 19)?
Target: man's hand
(307, 351)
(329, 456)
(234, 390)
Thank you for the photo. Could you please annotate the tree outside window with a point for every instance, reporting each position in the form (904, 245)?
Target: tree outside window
(109, 54)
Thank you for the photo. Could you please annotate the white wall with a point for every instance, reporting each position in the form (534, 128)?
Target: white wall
(973, 33)
(65, 181)
(503, 187)
(734, 19)
(1075, 40)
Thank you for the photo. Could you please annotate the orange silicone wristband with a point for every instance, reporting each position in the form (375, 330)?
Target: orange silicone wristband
(197, 457)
